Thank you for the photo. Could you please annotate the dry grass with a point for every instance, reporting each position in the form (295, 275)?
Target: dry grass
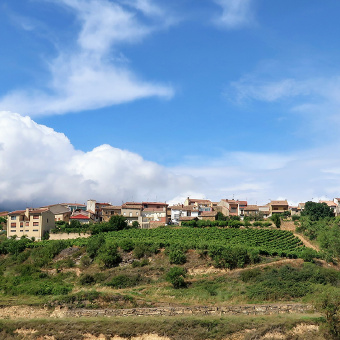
(175, 328)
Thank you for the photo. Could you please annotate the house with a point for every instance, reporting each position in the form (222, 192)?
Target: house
(109, 211)
(301, 207)
(264, 211)
(179, 211)
(203, 204)
(294, 211)
(96, 208)
(132, 211)
(84, 217)
(251, 211)
(61, 212)
(207, 215)
(337, 202)
(30, 222)
(74, 206)
(278, 207)
(232, 207)
(154, 214)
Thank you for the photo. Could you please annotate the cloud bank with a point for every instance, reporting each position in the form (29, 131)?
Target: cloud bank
(87, 76)
(40, 166)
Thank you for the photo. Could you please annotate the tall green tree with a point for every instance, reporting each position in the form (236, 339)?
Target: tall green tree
(316, 211)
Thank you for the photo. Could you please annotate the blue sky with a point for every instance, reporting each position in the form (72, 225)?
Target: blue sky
(220, 98)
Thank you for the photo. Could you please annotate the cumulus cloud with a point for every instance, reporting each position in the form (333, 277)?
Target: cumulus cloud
(86, 76)
(235, 13)
(40, 166)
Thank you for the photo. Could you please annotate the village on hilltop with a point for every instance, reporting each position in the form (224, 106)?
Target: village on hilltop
(34, 222)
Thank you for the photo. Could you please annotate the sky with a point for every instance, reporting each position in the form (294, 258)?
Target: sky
(131, 100)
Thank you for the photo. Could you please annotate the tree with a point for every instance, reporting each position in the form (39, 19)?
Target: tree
(220, 217)
(135, 225)
(109, 256)
(328, 303)
(276, 218)
(118, 222)
(316, 211)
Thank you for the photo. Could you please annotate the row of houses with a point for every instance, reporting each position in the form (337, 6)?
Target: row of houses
(35, 222)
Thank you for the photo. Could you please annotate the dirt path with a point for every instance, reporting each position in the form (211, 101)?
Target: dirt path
(306, 242)
(290, 226)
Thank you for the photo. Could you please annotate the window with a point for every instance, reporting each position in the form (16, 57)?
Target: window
(13, 218)
(124, 213)
(47, 220)
(27, 230)
(13, 231)
(35, 224)
(35, 217)
(21, 230)
(21, 224)
(27, 224)
(130, 214)
(35, 230)
(137, 213)
(13, 225)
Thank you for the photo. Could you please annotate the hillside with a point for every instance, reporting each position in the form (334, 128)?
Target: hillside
(208, 272)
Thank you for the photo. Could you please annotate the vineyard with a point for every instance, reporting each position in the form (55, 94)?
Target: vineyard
(268, 242)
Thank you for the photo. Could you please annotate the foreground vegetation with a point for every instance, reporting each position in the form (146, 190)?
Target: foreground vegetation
(168, 266)
(176, 328)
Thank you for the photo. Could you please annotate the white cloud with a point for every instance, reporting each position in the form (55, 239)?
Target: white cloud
(40, 166)
(235, 13)
(87, 76)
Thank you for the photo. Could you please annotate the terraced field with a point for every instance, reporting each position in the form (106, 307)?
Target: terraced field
(268, 242)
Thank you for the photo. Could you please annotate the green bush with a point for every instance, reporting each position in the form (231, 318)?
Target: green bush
(127, 245)
(124, 281)
(177, 256)
(93, 245)
(176, 276)
(109, 256)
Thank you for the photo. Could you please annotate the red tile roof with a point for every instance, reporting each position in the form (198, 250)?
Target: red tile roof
(80, 217)
(17, 212)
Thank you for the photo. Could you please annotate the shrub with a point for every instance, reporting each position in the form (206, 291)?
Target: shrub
(176, 276)
(308, 255)
(249, 275)
(177, 256)
(109, 256)
(86, 279)
(142, 263)
(127, 245)
(93, 245)
(85, 261)
(124, 281)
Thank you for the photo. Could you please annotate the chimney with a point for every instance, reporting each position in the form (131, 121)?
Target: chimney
(27, 213)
